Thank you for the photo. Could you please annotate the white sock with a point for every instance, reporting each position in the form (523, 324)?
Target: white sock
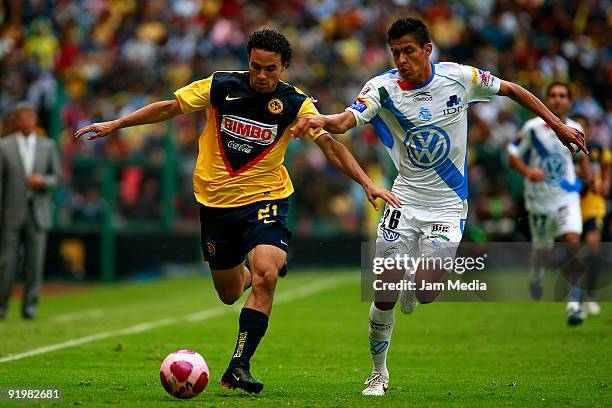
(381, 326)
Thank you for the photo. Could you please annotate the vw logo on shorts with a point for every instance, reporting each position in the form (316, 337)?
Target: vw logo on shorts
(389, 235)
(554, 167)
(428, 146)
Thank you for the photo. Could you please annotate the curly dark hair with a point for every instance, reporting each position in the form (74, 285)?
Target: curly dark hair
(270, 40)
(409, 25)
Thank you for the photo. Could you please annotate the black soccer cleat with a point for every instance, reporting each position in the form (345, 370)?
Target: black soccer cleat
(240, 377)
(575, 318)
(575, 313)
(536, 290)
(283, 271)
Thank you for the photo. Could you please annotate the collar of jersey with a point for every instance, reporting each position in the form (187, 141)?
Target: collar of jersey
(407, 87)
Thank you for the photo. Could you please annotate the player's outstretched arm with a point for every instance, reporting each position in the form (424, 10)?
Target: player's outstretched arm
(566, 134)
(344, 161)
(338, 123)
(152, 113)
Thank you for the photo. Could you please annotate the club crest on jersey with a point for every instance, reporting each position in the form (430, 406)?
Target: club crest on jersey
(249, 130)
(424, 114)
(428, 146)
(554, 167)
(275, 106)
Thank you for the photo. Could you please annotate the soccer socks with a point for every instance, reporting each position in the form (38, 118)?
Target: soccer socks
(253, 325)
(593, 266)
(381, 326)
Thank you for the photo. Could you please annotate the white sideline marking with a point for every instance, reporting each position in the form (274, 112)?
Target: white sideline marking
(87, 314)
(283, 297)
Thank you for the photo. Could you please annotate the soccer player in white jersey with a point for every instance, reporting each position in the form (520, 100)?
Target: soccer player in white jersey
(419, 113)
(552, 194)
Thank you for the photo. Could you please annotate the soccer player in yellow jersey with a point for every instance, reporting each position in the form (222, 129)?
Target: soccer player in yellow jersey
(593, 204)
(240, 183)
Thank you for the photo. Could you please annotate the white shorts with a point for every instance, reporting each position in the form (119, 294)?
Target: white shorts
(419, 232)
(546, 226)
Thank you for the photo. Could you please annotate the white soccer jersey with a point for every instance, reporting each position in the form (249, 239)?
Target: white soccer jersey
(424, 129)
(539, 147)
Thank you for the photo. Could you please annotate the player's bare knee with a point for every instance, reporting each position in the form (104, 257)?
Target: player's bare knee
(266, 278)
(384, 305)
(229, 297)
(424, 297)
(265, 271)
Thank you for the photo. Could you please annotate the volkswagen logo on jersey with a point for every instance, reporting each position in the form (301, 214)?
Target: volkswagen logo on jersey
(554, 167)
(389, 235)
(428, 146)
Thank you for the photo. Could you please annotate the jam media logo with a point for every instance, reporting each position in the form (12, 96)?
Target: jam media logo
(428, 146)
(554, 167)
(425, 114)
(248, 130)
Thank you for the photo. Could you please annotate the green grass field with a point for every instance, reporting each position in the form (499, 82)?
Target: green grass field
(315, 352)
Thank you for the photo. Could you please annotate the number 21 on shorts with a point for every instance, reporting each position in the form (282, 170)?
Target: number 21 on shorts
(264, 213)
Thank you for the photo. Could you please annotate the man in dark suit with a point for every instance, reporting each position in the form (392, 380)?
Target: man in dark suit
(29, 170)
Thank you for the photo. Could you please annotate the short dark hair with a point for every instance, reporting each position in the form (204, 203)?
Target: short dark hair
(270, 40)
(559, 83)
(409, 25)
(579, 116)
(24, 106)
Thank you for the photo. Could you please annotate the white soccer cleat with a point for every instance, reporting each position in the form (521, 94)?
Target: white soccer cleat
(377, 385)
(592, 308)
(575, 313)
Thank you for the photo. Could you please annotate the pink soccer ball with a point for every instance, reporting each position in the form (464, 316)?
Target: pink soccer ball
(184, 374)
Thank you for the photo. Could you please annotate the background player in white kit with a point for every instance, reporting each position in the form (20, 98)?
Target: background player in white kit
(552, 193)
(419, 111)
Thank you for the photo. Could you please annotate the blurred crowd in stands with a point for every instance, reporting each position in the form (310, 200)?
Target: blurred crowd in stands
(81, 61)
